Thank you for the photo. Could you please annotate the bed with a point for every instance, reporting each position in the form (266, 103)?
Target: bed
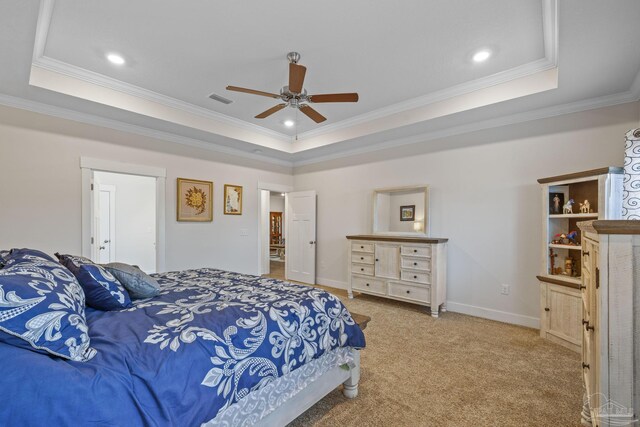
(213, 348)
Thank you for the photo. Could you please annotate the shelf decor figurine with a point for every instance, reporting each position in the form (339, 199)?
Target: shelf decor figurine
(585, 207)
(556, 201)
(568, 207)
(631, 181)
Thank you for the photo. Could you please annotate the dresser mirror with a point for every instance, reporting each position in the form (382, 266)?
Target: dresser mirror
(401, 211)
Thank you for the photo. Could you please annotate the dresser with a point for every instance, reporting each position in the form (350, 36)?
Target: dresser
(412, 269)
(610, 297)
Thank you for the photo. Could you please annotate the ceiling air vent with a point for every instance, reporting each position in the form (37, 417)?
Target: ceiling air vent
(220, 99)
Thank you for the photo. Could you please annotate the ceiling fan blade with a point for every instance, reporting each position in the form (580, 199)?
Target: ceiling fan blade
(253, 92)
(270, 111)
(296, 77)
(334, 97)
(312, 114)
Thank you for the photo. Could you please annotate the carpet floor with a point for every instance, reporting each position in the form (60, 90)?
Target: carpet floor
(457, 370)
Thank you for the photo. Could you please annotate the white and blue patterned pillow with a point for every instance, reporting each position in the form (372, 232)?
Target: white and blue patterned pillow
(42, 304)
(102, 290)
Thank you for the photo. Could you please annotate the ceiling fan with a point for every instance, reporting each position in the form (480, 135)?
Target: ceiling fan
(295, 96)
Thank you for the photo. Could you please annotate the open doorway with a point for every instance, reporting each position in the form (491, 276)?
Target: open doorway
(124, 219)
(277, 240)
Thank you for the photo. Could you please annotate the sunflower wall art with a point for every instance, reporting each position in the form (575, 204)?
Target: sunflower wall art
(195, 200)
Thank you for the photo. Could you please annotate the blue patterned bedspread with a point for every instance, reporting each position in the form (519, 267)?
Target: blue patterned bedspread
(205, 342)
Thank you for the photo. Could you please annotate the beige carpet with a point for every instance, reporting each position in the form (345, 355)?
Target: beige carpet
(453, 371)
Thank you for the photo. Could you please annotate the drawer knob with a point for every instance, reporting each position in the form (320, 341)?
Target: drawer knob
(415, 277)
(362, 269)
(415, 263)
(361, 257)
(367, 284)
(408, 292)
(415, 251)
(585, 365)
(546, 309)
(377, 260)
(361, 247)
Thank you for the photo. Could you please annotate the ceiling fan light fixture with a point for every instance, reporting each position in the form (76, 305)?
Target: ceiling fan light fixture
(289, 123)
(116, 59)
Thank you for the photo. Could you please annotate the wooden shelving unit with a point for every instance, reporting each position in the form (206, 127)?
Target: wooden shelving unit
(560, 301)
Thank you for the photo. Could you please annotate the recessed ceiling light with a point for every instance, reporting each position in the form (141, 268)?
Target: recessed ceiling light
(481, 55)
(114, 58)
(289, 123)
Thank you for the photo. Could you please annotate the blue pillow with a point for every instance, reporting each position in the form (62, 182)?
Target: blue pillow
(42, 304)
(3, 257)
(103, 291)
(23, 254)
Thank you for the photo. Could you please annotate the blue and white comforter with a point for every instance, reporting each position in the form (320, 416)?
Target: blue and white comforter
(210, 338)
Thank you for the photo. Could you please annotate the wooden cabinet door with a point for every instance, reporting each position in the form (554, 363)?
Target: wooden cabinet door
(564, 314)
(387, 260)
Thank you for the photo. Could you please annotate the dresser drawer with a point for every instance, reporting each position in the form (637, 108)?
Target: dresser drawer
(417, 293)
(415, 276)
(362, 258)
(420, 251)
(368, 285)
(416, 263)
(362, 269)
(362, 247)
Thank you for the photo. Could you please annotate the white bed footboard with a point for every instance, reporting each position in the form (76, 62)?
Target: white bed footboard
(322, 379)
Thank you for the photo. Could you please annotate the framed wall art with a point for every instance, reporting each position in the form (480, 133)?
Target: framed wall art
(408, 213)
(195, 200)
(232, 199)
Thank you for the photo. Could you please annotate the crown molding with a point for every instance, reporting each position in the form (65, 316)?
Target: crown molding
(542, 113)
(76, 116)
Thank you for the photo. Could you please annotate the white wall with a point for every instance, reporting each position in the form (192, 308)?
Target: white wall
(483, 197)
(135, 218)
(41, 189)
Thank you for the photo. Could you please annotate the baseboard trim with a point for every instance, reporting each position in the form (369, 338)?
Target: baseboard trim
(331, 283)
(457, 307)
(491, 314)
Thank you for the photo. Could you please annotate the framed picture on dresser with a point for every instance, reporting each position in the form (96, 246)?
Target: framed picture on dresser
(408, 213)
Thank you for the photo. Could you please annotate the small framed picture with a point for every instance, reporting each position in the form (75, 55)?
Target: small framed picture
(556, 201)
(195, 200)
(232, 199)
(408, 213)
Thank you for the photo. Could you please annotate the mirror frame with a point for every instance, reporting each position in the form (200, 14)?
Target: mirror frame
(417, 188)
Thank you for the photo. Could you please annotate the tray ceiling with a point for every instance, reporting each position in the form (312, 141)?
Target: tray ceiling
(410, 62)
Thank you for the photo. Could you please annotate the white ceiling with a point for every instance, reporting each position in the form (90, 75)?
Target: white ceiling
(409, 61)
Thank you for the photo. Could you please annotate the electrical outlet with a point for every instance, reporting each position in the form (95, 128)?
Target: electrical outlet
(505, 289)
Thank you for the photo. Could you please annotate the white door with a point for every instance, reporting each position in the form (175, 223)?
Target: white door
(300, 261)
(106, 224)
